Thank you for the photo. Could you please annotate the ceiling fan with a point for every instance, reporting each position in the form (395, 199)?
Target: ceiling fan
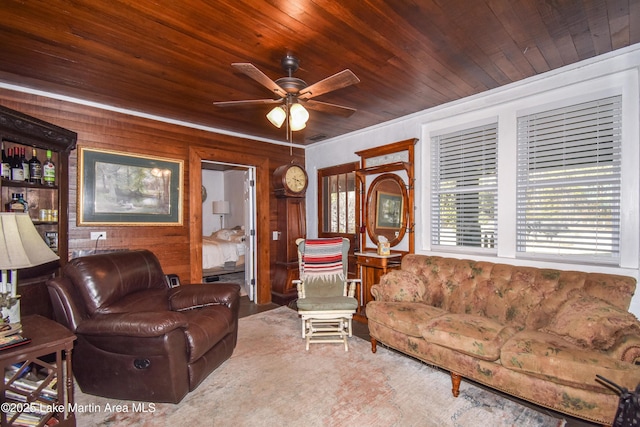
(294, 94)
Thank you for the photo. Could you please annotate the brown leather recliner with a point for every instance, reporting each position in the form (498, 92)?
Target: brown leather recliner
(139, 339)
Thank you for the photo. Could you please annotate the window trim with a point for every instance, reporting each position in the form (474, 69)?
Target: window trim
(506, 107)
(471, 126)
(329, 171)
(524, 183)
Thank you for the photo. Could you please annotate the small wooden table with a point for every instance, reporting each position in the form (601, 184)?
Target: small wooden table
(47, 338)
(371, 267)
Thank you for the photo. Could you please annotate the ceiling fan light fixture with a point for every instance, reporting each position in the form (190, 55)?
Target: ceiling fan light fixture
(277, 116)
(298, 116)
(297, 126)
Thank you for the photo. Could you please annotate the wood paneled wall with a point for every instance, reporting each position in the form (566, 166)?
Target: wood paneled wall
(177, 247)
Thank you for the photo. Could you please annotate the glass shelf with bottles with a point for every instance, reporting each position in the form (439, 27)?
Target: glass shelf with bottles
(16, 169)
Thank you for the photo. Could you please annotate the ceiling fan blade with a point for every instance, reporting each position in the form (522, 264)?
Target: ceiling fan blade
(257, 75)
(248, 102)
(325, 107)
(337, 81)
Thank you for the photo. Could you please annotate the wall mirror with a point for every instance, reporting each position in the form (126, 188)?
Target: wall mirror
(387, 209)
(385, 181)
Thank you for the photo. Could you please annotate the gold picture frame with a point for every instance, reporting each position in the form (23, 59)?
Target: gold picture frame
(116, 188)
(389, 210)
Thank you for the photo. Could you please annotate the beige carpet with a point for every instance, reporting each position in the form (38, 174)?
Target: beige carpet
(272, 381)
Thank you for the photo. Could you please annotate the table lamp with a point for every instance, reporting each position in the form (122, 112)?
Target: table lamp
(222, 208)
(21, 246)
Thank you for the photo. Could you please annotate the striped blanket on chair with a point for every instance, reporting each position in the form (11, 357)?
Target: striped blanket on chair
(322, 259)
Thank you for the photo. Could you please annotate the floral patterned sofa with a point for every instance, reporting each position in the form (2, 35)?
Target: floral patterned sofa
(538, 334)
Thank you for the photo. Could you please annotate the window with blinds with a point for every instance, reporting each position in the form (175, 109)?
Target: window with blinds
(465, 182)
(568, 188)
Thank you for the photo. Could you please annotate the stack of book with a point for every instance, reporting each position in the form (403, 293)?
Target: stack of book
(34, 396)
(10, 335)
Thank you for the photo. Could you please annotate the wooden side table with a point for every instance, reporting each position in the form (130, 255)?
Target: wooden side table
(371, 267)
(47, 338)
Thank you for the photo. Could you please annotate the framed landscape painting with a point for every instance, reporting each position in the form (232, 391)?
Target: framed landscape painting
(126, 189)
(389, 210)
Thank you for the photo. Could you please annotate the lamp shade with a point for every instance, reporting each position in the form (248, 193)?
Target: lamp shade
(221, 207)
(20, 243)
(298, 117)
(277, 116)
(299, 114)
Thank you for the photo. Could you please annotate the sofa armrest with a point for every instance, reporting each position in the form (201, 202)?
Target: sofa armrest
(399, 285)
(142, 324)
(67, 305)
(188, 297)
(627, 349)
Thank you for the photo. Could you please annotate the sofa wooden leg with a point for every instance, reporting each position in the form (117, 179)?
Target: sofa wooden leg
(374, 344)
(455, 382)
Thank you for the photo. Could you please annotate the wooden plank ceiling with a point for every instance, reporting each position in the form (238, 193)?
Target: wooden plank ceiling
(172, 58)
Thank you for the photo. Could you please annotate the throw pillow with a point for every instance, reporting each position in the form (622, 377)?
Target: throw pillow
(591, 322)
(400, 285)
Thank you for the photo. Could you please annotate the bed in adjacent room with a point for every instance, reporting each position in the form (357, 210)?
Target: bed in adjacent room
(223, 250)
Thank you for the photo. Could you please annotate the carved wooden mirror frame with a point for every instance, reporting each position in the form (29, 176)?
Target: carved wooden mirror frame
(398, 207)
(386, 208)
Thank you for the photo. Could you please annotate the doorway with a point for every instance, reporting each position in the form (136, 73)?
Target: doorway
(262, 202)
(229, 225)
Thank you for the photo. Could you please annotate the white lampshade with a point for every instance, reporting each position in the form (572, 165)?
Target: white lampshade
(221, 207)
(21, 246)
(295, 126)
(298, 116)
(277, 116)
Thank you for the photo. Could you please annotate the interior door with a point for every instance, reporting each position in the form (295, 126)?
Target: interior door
(250, 233)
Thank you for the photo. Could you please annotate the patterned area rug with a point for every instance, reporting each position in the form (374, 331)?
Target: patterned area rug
(272, 381)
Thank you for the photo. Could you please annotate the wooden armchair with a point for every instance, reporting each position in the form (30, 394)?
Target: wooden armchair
(326, 302)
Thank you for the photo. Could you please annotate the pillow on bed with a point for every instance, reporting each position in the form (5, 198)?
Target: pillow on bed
(222, 234)
(237, 236)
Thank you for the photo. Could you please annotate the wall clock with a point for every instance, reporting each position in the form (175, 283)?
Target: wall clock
(290, 181)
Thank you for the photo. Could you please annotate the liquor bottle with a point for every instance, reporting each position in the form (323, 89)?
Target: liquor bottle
(17, 203)
(49, 171)
(35, 168)
(23, 202)
(6, 168)
(17, 173)
(25, 163)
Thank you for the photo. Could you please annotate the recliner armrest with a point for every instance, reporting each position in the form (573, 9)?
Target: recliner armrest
(188, 297)
(142, 324)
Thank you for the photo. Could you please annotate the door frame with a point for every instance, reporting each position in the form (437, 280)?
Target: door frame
(261, 165)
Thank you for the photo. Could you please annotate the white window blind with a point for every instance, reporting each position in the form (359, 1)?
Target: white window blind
(568, 189)
(465, 181)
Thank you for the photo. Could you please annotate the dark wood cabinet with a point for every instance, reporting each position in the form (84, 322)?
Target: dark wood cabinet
(371, 267)
(18, 130)
(291, 226)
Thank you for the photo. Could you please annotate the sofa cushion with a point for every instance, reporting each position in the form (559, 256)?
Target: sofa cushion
(207, 326)
(552, 358)
(474, 335)
(403, 317)
(590, 322)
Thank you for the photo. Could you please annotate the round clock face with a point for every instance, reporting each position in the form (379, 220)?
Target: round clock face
(296, 179)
